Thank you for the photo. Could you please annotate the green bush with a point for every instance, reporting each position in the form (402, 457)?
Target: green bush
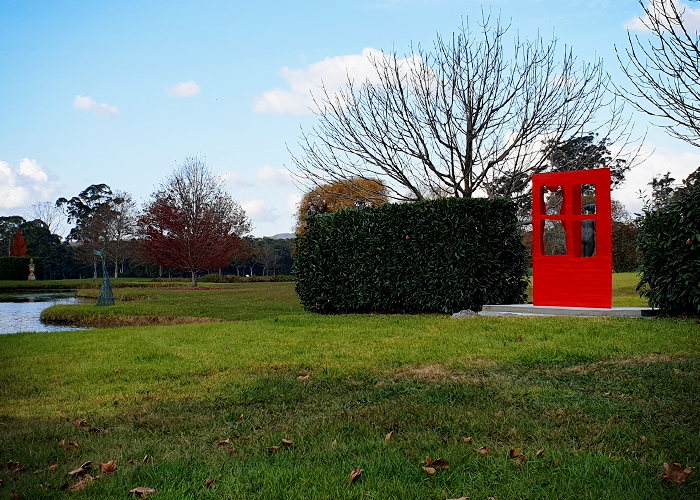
(433, 256)
(17, 268)
(670, 241)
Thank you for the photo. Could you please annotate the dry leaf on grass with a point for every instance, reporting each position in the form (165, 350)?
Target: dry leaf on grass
(274, 449)
(440, 463)
(53, 467)
(240, 417)
(676, 473)
(387, 438)
(514, 452)
(232, 450)
(83, 469)
(79, 422)
(109, 467)
(430, 470)
(468, 440)
(540, 452)
(13, 466)
(303, 378)
(484, 450)
(460, 498)
(70, 445)
(287, 442)
(225, 442)
(355, 474)
(80, 485)
(644, 439)
(209, 482)
(142, 492)
(334, 443)
(519, 460)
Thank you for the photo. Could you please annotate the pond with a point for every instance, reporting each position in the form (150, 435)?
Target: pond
(20, 311)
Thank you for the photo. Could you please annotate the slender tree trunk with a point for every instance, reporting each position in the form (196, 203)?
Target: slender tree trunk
(194, 278)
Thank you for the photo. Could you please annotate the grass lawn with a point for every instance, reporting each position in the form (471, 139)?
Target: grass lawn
(596, 405)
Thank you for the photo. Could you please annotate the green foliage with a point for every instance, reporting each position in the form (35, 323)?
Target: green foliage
(670, 241)
(17, 268)
(434, 256)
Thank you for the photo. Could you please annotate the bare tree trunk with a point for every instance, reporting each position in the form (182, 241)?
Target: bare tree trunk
(194, 278)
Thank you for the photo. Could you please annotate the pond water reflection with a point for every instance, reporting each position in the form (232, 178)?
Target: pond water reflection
(20, 311)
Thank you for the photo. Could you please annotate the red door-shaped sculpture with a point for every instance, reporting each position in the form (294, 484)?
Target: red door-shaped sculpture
(572, 239)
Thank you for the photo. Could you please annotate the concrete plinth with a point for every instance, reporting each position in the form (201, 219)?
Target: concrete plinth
(530, 310)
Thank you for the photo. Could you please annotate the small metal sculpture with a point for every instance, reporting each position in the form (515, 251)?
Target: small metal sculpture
(588, 232)
(106, 297)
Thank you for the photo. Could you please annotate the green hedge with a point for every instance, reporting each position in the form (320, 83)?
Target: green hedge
(670, 241)
(433, 256)
(17, 268)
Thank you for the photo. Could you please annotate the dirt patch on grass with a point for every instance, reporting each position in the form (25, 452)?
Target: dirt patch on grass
(437, 372)
(118, 321)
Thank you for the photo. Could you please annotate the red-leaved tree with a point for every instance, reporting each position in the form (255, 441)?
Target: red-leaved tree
(19, 249)
(191, 224)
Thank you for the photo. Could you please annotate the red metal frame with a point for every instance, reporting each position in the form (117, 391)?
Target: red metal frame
(572, 280)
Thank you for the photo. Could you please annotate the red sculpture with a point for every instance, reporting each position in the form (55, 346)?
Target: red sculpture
(572, 239)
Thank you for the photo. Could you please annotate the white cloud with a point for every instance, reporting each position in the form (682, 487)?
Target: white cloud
(30, 184)
(332, 72)
(89, 104)
(235, 180)
(691, 17)
(260, 211)
(184, 89)
(293, 201)
(659, 162)
(268, 176)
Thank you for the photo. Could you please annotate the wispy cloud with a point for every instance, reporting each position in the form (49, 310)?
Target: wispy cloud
(691, 17)
(89, 104)
(184, 89)
(332, 72)
(29, 184)
(265, 177)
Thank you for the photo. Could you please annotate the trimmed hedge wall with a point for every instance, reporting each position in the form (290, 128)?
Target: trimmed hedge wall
(433, 256)
(670, 240)
(17, 268)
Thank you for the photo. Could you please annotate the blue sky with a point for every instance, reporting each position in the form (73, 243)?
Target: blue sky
(118, 92)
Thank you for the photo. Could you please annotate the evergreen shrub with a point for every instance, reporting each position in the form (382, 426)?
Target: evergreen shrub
(433, 256)
(17, 268)
(670, 240)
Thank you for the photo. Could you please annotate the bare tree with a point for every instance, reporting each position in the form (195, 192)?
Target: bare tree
(664, 71)
(46, 212)
(468, 118)
(121, 228)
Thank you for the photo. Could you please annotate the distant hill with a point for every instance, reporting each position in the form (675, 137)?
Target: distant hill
(283, 236)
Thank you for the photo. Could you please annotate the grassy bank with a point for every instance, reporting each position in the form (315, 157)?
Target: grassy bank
(609, 401)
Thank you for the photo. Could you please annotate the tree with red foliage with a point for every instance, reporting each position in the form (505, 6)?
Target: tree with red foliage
(19, 249)
(191, 224)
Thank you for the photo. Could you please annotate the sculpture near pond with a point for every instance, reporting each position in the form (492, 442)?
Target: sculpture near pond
(106, 297)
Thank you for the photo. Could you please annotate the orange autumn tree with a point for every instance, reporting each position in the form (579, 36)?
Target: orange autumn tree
(329, 198)
(19, 249)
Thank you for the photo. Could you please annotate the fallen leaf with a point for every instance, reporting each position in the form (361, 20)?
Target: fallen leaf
(539, 453)
(274, 449)
(644, 439)
(513, 453)
(240, 417)
(92, 429)
(145, 459)
(387, 438)
(334, 443)
(80, 485)
(460, 498)
(225, 442)
(520, 338)
(53, 467)
(302, 378)
(468, 440)
(13, 466)
(131, 462)
(675, 473)
(116, 371)
(83, 469)
(555, 462)
(209, 482)
(78, 422)
(355, 474)
(440, 463)
(71, 445)
(109, 467)
(484, 450)
(232, 450)
(287, 442)
(142, 492)
(519, 460)
(606, 394)
(429, 470)
(208, 389)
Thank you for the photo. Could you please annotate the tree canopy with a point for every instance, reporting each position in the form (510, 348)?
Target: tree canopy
(191, 224)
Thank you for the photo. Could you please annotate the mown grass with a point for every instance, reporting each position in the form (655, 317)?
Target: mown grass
(608, 400)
